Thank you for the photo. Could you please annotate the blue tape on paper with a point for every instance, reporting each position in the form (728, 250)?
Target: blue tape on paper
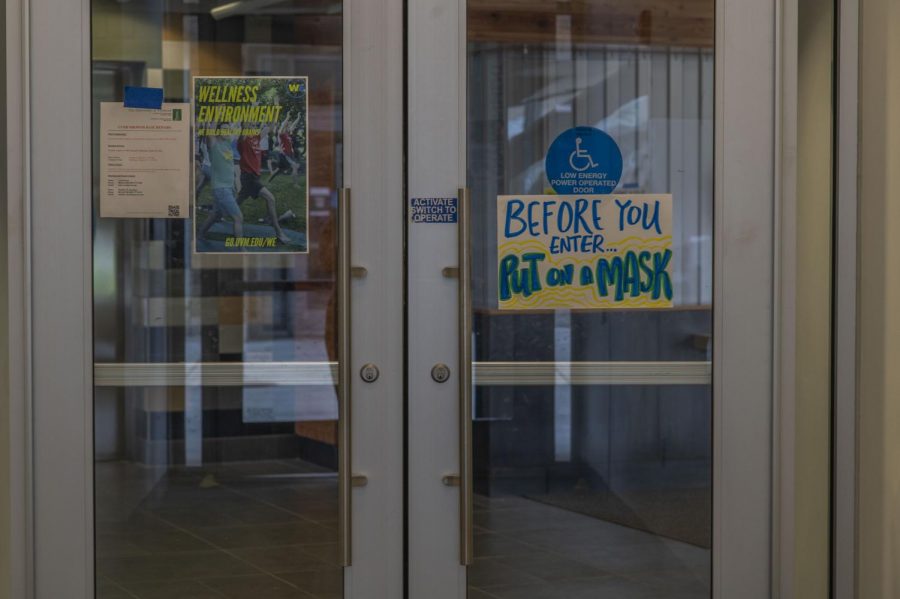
(143, 97)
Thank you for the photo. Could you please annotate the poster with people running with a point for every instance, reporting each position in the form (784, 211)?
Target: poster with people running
(251, 193)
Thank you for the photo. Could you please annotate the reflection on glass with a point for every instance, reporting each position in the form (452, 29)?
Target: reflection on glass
(593, 490)
(216, 487)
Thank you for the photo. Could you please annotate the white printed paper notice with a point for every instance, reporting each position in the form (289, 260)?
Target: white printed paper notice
(145, 162)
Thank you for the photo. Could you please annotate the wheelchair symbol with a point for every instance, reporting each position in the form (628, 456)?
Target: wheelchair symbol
(580, 160)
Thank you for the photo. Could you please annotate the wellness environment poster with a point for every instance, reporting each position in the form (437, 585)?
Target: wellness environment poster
(251, 193)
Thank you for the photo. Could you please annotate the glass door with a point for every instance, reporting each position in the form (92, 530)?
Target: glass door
(236, 424)
(217, 432)
(583, 445)
(330, 371)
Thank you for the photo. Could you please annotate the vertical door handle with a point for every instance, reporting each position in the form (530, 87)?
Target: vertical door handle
(466, 540)
(345, 471)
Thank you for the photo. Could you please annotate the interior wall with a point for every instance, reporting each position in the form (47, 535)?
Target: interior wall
(879, 297)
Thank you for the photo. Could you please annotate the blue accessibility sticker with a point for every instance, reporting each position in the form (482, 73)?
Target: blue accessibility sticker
(583, 160)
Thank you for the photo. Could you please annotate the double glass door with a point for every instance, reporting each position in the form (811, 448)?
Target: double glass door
(347, 408)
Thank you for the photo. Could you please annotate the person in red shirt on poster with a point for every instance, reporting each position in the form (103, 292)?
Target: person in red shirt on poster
(251, 178)
(283, 161)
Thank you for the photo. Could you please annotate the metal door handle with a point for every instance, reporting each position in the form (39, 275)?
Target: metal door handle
(464, 233)
(345, 471)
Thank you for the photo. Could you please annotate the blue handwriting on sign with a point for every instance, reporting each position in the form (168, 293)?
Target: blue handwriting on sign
(632, 274)
(632, 215)
(573, 226)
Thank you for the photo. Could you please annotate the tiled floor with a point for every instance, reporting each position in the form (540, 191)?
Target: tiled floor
(240, 531)
(528, 550)
(269, 531)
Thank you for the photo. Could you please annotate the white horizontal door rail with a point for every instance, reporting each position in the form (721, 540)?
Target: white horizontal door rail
(593, 373)
(241, 374)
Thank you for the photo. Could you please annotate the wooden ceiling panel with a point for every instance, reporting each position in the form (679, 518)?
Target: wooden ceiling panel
(680, 23)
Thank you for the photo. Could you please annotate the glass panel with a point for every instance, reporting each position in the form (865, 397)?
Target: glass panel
(218, 481)
(595, 489)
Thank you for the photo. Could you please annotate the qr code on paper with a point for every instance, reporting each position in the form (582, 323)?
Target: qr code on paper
(174, 211)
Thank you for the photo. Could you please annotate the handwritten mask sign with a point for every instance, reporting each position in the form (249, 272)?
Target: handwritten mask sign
(584, 252)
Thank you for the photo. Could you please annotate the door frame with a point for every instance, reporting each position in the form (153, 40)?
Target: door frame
(740, 160)
(846, 279)
(746, 201)
(58, 97)
(746, 198)
(16, 565)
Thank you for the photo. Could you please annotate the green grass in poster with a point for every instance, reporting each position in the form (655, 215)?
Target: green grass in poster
(256, 213)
